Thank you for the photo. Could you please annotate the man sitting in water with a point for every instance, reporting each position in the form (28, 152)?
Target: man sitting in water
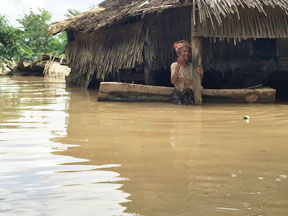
(183, 78)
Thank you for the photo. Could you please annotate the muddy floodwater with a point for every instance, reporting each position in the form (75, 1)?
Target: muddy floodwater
(62, 153)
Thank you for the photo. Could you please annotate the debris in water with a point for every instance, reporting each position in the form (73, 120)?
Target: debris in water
(246, 117)
(228, 209)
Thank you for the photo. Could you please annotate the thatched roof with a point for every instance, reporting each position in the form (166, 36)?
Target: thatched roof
(115, 3)
(70, 22)
(254, 17)
(113, 13)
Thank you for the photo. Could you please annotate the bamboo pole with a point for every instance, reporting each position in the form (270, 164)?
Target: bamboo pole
(196, 47)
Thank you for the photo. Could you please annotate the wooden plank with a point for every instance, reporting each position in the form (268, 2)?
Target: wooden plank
(115, 87)
(262, 95)
(133, 97)
(113, 91)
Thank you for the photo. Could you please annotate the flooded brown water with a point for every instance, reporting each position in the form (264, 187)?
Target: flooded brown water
(63, 153)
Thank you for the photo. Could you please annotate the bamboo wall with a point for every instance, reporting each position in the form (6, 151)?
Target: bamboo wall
(104, 53)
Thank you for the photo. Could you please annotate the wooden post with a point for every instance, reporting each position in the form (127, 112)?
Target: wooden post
(196, 46)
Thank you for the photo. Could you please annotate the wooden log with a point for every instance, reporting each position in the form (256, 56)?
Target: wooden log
(113, 91)
(261, 95)
(133, 97)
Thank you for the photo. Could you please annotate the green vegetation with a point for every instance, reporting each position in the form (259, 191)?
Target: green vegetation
(35, 28)
(93, 6)
(72, 12)
(11, 44)
(32, 38)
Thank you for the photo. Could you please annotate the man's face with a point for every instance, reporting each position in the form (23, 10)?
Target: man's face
(185, 53)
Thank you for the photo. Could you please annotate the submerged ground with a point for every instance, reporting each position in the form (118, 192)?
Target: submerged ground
(63, 153)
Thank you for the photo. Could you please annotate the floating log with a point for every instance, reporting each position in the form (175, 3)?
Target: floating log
(261, 95)
(126, 92)
(113, 91)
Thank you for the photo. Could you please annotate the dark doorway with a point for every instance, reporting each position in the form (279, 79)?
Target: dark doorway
(163, 77)
(264, 48)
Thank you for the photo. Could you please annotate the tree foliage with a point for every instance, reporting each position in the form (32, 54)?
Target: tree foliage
(35, 28)
(93, 7)
(72, 12)
(11, 46)
(32, 38)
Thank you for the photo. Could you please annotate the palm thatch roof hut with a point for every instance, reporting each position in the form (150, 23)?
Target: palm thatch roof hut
(131, 40)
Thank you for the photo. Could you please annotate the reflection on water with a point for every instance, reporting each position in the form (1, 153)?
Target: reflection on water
(63, 153)
(34, 181)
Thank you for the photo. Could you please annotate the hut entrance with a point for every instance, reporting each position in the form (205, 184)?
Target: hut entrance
(240, 65)
(135, 75)
(279, 78)
(163, 77)
(248, 64)
(264, 48)
(272, 54)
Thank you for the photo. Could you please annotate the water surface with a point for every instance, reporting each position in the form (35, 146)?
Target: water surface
(63, 153)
